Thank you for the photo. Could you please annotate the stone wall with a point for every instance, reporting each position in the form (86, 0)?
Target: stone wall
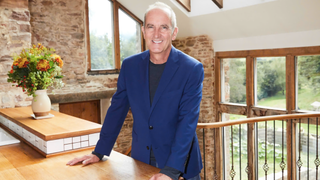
(15, 34)
(200, 47)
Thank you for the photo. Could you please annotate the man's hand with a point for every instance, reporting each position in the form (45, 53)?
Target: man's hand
(86, 159)
(160, 176)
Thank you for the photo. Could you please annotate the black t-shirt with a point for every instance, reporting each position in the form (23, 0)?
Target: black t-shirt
(155, 73)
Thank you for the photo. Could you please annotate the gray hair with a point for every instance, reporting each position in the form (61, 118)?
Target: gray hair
(167, 9)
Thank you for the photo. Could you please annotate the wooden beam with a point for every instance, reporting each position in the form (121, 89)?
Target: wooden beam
(116, 33)
(312, 50)
(250, 103)
(291, 131)
(185, 4)
(291, 150)
(87, 29)
(218, 133)
(290, 83)
(219, 3)
(14, 3)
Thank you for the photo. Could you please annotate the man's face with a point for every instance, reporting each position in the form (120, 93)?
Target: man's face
(157, 32)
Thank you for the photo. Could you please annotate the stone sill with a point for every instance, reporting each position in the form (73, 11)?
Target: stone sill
(81, 96)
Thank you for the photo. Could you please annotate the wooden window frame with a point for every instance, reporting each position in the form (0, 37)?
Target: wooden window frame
(250, 55)
(116, 34)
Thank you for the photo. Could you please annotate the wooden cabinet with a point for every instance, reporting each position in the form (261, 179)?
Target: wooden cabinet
(88, 110)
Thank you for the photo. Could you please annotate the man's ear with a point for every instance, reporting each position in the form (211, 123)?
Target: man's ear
(174, 34)
(142, 28)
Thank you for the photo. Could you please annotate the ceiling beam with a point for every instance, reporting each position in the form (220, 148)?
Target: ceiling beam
(186, 4)
(219, 3)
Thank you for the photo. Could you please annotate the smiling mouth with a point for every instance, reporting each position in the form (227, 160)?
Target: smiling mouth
(156, 42)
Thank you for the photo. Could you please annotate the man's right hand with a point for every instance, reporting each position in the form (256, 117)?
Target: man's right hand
(86, 159)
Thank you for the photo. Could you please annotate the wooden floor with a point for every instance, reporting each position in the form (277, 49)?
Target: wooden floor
(19, 161)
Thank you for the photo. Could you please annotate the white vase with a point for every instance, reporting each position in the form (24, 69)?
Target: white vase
(41, 104)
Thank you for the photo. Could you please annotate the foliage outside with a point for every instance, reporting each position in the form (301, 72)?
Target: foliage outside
(236, 78)
(36, 68)
(271, 81)
(101, 37)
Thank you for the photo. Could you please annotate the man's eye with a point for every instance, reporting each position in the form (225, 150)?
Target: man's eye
(164, 27)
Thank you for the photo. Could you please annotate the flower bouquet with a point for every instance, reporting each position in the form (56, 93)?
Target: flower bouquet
(36, 68)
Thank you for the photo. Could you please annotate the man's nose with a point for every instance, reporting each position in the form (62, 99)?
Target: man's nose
(157, 33)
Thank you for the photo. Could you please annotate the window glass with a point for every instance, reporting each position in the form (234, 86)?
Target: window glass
(234, 80)
(130, 35)
(101, 34)
(235, 147)
(308, 83)
(272, 150)
(271, 82)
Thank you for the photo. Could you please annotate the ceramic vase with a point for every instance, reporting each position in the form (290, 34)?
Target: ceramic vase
(41, 104)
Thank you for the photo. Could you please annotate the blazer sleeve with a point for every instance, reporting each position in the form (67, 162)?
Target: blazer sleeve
(115, 116)
(188, 119)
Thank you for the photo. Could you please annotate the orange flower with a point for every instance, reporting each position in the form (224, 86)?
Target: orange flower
(16, 62)
(11, 71)
(22, 63)
(43, 65)
(57, 59)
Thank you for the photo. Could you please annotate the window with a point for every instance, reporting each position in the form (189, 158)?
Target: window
(271, 82)
(234, 80)
(113, 33)
(130, 35)
(277, 81)
(308, 83)
(235, 147)
(101, 35)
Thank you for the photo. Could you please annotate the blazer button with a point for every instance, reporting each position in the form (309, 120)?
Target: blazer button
(150, 127)
(148, 147)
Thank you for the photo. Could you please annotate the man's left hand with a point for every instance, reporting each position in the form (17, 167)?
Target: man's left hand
(160, 176)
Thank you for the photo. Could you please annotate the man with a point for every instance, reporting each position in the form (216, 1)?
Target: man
(163, 87)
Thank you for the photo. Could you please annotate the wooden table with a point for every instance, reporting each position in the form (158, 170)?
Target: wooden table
(20, 161)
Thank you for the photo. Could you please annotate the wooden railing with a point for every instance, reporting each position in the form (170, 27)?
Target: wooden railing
(289, 150)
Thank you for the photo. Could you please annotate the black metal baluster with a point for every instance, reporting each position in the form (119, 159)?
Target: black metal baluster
(317, 161)
(308, 148)
(240, 149)
(204, 154)
(265, 166)
(232, 171)
(274, 150)
(282, 164)
(299, 162)
(247, 168)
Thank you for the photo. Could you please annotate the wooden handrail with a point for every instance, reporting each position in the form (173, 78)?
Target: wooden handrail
(256, 119)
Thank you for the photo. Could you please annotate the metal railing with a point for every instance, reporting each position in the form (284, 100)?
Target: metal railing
(278, 154)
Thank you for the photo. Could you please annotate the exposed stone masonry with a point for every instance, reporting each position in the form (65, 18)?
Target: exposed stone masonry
(60, 24)
(200, 47)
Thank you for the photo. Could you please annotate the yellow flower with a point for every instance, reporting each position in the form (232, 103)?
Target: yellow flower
(23, 63)
(43, 65)
(57, 59)
(16, 62)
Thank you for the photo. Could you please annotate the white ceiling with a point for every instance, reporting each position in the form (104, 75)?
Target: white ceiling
(265, 18)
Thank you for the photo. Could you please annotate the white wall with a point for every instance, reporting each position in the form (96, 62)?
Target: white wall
(294, 39)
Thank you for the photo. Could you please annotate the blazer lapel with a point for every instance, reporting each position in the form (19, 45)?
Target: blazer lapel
(144, 77)
(171, 67)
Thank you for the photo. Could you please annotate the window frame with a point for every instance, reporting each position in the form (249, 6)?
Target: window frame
(250, 108)
(116, 34)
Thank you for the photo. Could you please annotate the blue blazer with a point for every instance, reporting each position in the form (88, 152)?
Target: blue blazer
(169, 124)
